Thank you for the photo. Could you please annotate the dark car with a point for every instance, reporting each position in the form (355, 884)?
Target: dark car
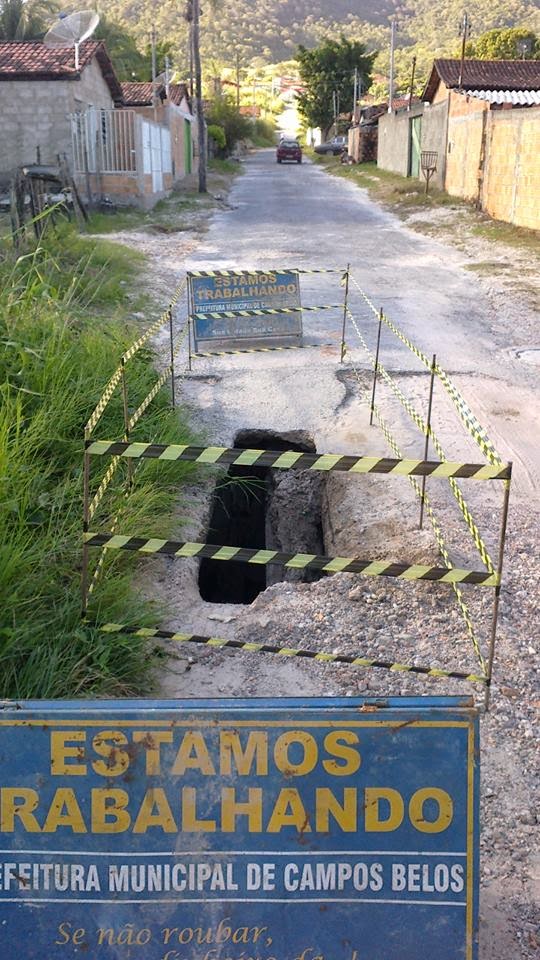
(289, 150)
(335, 146)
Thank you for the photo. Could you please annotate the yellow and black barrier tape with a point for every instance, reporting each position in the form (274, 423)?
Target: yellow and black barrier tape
(230, 353)
(264, 273)
(392, 326)
(249, 646)
(297, 561)
(159, 383)
(263, 311)
(415, 417)
(467, 417)
(292, 459)
(102, 489)
(101, 405)
(463, 608)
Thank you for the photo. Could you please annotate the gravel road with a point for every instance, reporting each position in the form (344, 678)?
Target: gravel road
(298, 216)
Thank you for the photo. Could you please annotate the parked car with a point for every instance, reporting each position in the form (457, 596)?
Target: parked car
(289, 150)
(335, 146)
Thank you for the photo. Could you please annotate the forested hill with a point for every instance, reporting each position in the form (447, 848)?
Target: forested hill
(272, 29)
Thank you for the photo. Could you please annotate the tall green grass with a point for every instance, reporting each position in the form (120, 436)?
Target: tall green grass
(63, 325)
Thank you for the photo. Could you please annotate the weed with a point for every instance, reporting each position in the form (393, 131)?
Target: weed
(55, 357)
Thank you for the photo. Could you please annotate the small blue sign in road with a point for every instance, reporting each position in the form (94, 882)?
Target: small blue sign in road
(245, 291)
(227, 830)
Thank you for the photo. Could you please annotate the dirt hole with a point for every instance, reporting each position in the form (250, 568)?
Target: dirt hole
(267, 510)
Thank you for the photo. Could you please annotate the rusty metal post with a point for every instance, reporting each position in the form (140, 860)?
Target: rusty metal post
(86, 522)
(126, 422)
(428, 431)
(189, 343)
(345, 309)
(171, 338)
(376, 368)
(495, 616)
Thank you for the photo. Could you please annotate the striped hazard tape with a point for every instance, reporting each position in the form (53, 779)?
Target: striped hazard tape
(467, 417)
(258, 273)
(462, 504)
(248, 646)
(294, 346)
(297, 561)
(291, 459)
(463, 608)
(262, 311)
(101, 405)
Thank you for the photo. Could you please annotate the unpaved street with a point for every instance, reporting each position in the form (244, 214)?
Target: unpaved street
(298, 216)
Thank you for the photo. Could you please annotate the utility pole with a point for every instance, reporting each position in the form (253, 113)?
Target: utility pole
(355, 94)
(237, 80)
(412, 82)
(464, 32)
(195, 43)
(154, 71)
(392, 52)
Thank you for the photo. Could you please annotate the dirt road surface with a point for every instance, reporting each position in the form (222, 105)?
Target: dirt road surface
(486, 339)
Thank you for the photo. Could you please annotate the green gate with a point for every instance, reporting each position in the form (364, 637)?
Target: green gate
(414, 146)
(187, 147)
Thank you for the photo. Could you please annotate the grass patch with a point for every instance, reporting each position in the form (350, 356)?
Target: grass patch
(54, 362)
(221, 167)
(499, 232)
(406, 194)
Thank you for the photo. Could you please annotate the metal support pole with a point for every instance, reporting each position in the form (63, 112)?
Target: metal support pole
(171, 338)
(86, 522)
(126, 421)
(376, 368)
(495, 617)
(428, 431)
(345, 309)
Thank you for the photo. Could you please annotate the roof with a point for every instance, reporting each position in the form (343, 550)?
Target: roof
(484, 75)
(140, 94)
(34, 61)
(518, 98)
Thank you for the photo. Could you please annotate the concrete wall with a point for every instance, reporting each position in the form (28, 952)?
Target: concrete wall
(394, 140)
(511, 181)
(434, 130)
(36, 113)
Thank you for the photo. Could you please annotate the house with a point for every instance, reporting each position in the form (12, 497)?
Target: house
(170, 104)
(482, 121)
(40, 89)
(364, 132)
(488, 133)
(117, 143)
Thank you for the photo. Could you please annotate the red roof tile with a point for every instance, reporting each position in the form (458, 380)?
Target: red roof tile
(34, 61)
(484, 75)
(138, 94)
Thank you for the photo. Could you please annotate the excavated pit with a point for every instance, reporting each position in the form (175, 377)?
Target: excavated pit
(264, 509)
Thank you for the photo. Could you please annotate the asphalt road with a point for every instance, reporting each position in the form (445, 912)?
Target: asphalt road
(291, 215)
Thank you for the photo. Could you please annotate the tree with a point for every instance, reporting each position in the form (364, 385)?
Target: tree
(129, 62)
(330, 68)
(505, 45)
(25, 19)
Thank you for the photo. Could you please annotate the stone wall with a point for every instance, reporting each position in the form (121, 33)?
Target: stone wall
(36, 114)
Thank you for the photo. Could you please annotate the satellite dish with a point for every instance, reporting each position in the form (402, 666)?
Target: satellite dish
(70, 31)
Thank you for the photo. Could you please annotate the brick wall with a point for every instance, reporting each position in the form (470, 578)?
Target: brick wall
(466, 132)
(493, 158)
(511, 184)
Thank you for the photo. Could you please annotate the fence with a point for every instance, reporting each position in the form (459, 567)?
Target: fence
(120, 142)
(417, 472)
